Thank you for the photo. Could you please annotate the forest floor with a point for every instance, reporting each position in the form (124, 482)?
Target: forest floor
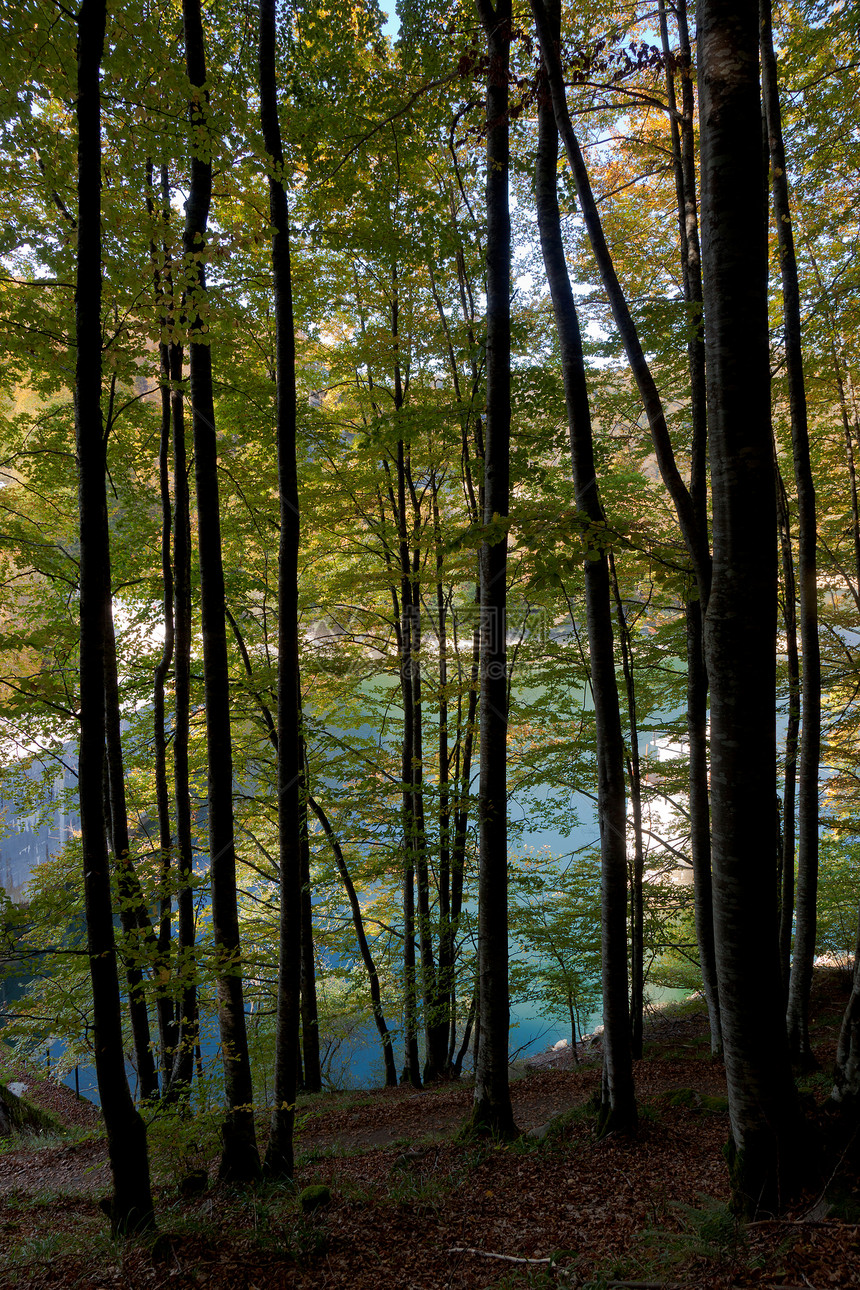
(414, 1208)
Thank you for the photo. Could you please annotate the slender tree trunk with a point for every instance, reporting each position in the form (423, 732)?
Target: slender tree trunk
(445, 993)
(492, 1110)
(163, 282)
(461, 817)
(852, 473)
(132, 1199)
(618, 1103)
(240, 1160)
(363, 946)
(435, 1028)
(637, 906)
(810, 736)
(412, 1069)
(279, 1154)
(689, 504)
(133, 914)
(683, 155)
(432, 1067)
(846, 1072)
(695, 538)
(186, 969)
(309, 1011)
(740, 630)
(787, 857)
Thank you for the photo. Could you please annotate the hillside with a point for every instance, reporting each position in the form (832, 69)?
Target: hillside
(411, 1206)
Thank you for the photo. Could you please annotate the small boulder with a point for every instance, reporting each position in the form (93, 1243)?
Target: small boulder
(314, 1197)
(193, 1184)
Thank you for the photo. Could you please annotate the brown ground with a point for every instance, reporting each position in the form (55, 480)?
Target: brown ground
(412, 1209)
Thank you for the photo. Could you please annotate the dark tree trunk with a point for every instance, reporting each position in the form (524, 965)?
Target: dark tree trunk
(167, 1030)
(310, 1014)
(492, 1112)
(412, 1069)
(163, 281)
(689, 504)
(810, 735)
(133, 914)
(445, 992)
(618, 1103)
(131, 1207)
(435, 1027)
(364, 948)
(846, 1073)
(240, 1160)
(279, 1154)
(740, 629)
(637, 906)
(185, 970)
(787, 854)
(695, 538)
(683, 156)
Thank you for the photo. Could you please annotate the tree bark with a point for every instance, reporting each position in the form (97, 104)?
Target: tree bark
(309, 1011)
(787, 855)
(618, 1102)
(279, 1153)
(131, 1207)
(690, 506)
(683, 156)
(810, 736)
(740, 629)
(186, 968)
(412, 1068)
(637, 906)
(163, 284)
(492, 1111)
(240, 1160)
(133, 913)
(695, 538)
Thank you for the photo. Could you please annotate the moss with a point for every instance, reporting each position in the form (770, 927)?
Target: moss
(314, 1197)
(691, 1100)
(25, 1117)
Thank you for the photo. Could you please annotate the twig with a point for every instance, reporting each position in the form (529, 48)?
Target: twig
(488, 1254)
(805, 1222)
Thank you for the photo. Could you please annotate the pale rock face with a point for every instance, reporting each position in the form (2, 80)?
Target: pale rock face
(17, 1088)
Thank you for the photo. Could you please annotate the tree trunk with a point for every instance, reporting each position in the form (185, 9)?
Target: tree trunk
(787, 855)
(133, 914)
(131, 1207)
(240, 1160)
(695, 537)
(683, 156)
(445, 989)
(279, 1153)
(740, 629)
(846, 1073)
(810, 735)
(163, 282)
(637, 907)
(364, 948)
(186, 968)
(412, 1069)
(492, 1112)
(618, 1103)
(309, 1011)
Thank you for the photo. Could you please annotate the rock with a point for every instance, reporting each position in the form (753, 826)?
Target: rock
(193, 1183)
(314, 1197)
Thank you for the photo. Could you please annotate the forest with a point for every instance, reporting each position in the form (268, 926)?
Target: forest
(430, 556)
